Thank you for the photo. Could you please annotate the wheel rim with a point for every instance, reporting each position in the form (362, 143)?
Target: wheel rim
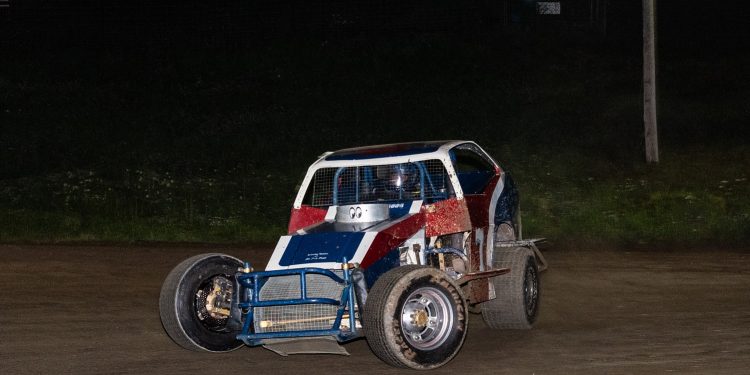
(530, 291)
(427, 318)
(212, 300)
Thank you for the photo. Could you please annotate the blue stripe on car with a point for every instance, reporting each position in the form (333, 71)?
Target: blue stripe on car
(507, 204)
(321, 247)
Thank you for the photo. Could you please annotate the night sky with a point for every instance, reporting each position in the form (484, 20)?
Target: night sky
(690, 24)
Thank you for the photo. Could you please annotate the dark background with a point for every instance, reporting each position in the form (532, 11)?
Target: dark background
(185, 115)
(109, 41)
(233, 22)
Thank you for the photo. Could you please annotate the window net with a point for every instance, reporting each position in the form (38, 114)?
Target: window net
(426, 180)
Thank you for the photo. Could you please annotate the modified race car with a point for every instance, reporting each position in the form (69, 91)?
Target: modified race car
(395, 243)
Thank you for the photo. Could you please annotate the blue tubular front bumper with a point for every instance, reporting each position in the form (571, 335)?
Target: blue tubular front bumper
(249, 284)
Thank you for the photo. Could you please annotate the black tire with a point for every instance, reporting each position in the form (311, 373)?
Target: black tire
(416, 317)
(180, 301)
(518, 292)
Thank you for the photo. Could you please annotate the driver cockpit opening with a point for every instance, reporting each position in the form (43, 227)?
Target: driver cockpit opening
(425, 180)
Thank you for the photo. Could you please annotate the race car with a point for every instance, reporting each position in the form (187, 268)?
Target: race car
(396, 243)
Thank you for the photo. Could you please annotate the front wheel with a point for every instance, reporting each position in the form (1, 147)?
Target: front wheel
(195, 302)
(416, 318)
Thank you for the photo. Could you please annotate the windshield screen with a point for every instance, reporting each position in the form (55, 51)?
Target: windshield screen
(424, 180)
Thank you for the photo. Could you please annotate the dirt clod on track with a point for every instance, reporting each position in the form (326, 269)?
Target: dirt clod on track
(93, 310)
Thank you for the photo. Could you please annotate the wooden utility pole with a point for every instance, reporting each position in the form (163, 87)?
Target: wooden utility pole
(649, 81)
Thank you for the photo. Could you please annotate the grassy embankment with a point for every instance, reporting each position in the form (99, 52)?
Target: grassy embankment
(208, 145)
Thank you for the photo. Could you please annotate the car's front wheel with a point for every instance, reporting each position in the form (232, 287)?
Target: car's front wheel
(416, 317)
(195, 302)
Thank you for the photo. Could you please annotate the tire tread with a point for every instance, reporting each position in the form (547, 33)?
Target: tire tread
(374, 318)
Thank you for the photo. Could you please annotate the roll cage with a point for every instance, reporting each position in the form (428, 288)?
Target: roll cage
(453, 180)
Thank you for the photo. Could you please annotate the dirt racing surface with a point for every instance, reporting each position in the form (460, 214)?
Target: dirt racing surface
(93, 310)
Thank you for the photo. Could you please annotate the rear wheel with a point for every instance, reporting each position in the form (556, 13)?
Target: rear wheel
(416, 318)
(517, 302)
(195, 302)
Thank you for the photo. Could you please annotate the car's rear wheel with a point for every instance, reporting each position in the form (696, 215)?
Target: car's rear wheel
(416, 318)
(518, 292)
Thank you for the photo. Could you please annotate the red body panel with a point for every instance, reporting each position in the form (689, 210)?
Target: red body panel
(479, 205)
(448, 216)
(304, 217)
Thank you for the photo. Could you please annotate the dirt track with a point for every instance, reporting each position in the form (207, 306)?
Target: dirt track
(85, 309)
